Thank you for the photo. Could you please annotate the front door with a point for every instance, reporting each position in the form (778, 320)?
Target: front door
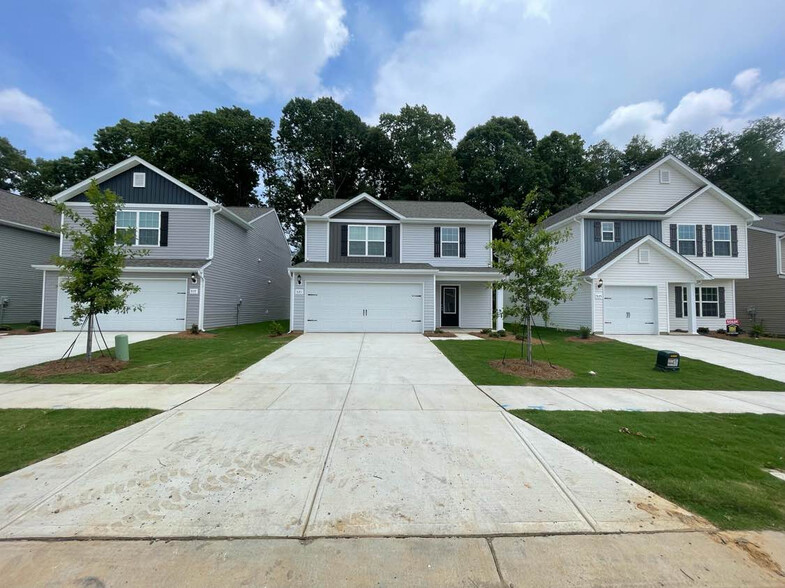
(450, 316)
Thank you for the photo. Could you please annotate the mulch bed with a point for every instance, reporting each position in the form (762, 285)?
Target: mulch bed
(445, 334)
(541, 370)
(508, 337)
(99, 365)
(592, 339)
(26, 332)
(190, 335)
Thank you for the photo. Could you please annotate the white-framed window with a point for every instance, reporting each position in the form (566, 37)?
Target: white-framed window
(665, 176)
(140, 179)
(721, 240)
(608, 231)
(685, 302)
(367, 241)
(643, 255)
(707, 302)
(685, 235)
(450, 246)
(144, 226)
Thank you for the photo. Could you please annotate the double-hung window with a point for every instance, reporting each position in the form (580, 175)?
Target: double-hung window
(686, 239)
(707, 302)
(721, 240)
(608, 232)
(142, 227)
(367, 241)
(450, 246)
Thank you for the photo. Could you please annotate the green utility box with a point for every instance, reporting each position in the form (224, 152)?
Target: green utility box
(668, 361)
(121, 348)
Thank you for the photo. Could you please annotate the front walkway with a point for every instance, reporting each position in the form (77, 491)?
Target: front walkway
(753, 359)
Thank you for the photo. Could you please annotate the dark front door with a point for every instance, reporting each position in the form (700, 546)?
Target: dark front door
(450, 316)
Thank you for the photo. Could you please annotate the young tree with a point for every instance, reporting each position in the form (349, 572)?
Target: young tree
(533, 282)
(98, 254)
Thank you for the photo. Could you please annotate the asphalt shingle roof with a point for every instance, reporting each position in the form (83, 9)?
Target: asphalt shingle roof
(26, 211)
(248, 213)
(357, 265)
(412, 209)
(772, 222)
(614, 254)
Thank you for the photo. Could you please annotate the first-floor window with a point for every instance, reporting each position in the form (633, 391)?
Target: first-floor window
(367, 241)
(686, 239)
(685, 303)
(142, 227)
(707, 302)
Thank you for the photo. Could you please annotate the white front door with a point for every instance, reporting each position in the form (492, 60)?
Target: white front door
(630, 310)
(351, 307)
(163, 308)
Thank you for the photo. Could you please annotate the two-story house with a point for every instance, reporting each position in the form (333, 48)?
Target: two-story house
(207, 264)
(659, 251)
(393, 266)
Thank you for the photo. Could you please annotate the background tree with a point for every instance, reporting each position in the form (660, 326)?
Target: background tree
(639, 153)
(15, 166)
(603, 165)
(533, 283)
(563, 162)
(98, 255)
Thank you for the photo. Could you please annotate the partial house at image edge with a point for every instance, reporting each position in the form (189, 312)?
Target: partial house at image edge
(208, 265)
(661, 250)
(24, 241)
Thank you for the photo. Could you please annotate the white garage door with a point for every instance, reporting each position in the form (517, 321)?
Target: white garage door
(358, 308)
(163, 308)
(630, 310)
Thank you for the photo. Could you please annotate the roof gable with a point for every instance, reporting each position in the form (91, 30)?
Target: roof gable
(410, 210)
(23, 212)
(648, 194)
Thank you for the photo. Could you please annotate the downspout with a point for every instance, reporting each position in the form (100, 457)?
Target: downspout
(203, 295)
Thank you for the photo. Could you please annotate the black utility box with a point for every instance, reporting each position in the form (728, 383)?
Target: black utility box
(668, 361)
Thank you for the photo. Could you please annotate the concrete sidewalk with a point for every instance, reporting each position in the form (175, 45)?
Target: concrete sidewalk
(645, 400)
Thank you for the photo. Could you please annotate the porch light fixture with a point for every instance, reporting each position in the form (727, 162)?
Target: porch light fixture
(299, 279)
(599, 283)
(193, 278)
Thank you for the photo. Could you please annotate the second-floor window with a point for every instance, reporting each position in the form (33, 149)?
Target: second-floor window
(686, 239)
(608, 233)
(143, 226)
(450, 241)
(367, 241)
(721, 238)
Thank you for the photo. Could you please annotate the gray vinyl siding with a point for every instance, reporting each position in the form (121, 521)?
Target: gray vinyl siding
(189, 233)
(764, 289)
(237, 272)
(418, 241)
(335, 246)
(158, 190)
(475, 304)
(364, 210)
(50, 301)
(316, 240)
(19, 249)
(630, 229)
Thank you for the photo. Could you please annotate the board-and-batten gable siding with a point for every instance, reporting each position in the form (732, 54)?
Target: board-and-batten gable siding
(335, 246)
(316, 240)
(427, 282)
(712, 323)
(364, 210)
(417, 245)
(708, 209)
(648, 194)
(19, 250)
(189, 233)
(475, 304)
(764, 289)
(158, 190)
(660, 270)
(236, 273)
(574, 313)
(630, 229)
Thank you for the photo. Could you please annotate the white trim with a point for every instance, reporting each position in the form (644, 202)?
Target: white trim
(219, 208)
(139, 180)
(333, 270)
(14, 225)
(694, 239)
(434, 302)
(367, 240)
(580, 223)
(442, 242)
(137, 228)
(729, 240)
(449, 221)
(458, 298)
(665, 176)
(145, 206)
(631, 215)
(291, 303)
(490, 276)
(252, 221)
(211, 241)
(762, 230)
(368, 221)
(62, 221)
(681, 260)
(202, 295)
(358, 198)
(305, 242)
(132, 270)
(603, 231)
(43, 301)
(778, 253)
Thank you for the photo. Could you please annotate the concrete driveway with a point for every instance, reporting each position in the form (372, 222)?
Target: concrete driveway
(18, 351)
(753, 359)
(330, 436)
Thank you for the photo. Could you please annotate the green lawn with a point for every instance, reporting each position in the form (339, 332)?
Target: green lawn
(172, 360)
(710, 464)
(30, 435)
(770, 343)
(617, 365)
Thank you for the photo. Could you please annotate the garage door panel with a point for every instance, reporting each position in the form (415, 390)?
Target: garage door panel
(630, 310)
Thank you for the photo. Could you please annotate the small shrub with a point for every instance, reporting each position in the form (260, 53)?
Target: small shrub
(757, 330)
(276, 329)
(438, 330)
(703, 330)
(520, 336)
(194, 329)
(721, 331)
(501, 333)
(5, 327)
(493, 334)
(35, 323)
(584, 332)
(33, 329)
(487, 331)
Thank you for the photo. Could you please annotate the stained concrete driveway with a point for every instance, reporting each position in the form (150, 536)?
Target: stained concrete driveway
(18, 351)
(753, 359)
(330, 436)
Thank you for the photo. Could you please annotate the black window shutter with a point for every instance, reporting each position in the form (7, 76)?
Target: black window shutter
(597, 230)
(462, 239)
(734, 240)
(721, 296)
(709, 241)
(617, 232)
(674, 242)
(699, 240)
(437, 241)
(164, 242)
(344, 240)
(389, 241)
(679, 302)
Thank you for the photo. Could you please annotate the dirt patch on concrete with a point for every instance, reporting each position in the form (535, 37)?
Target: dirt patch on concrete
(99, 365)
(26, 332)
(541, 370)
(686, 518)
(752, 550)
(590, 340)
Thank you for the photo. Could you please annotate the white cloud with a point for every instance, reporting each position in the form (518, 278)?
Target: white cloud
(746, 80)
(259, 48)
(18, 108)
(766, 93)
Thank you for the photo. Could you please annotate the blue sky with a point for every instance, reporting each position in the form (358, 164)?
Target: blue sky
(606, 69)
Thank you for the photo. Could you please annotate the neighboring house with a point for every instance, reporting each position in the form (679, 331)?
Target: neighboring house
(660, 250)
(761, 299)
(393, 266)
(24, 241)
(208, 264)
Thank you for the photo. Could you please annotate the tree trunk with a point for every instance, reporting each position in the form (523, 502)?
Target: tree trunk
(529, 358)
(89, 352)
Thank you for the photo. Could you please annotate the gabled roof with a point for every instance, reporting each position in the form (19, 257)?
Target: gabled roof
(26, 213)
(771, 222)
(248, 213)
(406, 209)
(633, 244)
